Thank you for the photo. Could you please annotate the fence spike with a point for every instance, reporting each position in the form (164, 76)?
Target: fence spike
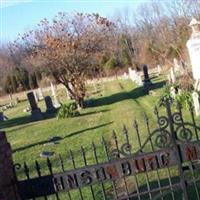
(26, 170)
(49, 165)
(37, 167)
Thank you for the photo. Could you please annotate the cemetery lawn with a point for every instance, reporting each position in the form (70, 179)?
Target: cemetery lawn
(116, 103)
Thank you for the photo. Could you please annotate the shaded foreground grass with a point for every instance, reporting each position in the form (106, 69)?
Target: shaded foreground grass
(117, 103)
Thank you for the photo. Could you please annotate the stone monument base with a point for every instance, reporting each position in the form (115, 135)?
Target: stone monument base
(36, 115)
(147, 85)
(51, 110)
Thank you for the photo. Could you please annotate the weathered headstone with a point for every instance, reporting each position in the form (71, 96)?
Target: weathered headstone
(17, 100)
(36, 96)
(1, 117)
(173, 92)
(53, 90)
(55, 96)
(146, 81)
(196, 101)
(49, 105)
(46, 154)
(40, 94)
(125, 76)
(172, 75)
(197, 85)
(158, 70)
(193, 45)
(36, 113)
(57, 102)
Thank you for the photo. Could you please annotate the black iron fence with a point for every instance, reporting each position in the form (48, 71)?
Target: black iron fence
(166, 166)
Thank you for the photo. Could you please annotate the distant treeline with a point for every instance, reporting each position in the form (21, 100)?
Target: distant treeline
(63, 48)
(20, 79)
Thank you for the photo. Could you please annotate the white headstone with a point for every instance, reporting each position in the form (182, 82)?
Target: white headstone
(172, 75)
(177, 66)
(35, 95)
(125, 76)
(159, 70)
(197, 85)
(57, 103)
(53, 90)
(169, 78)
(40, 94)
(193, 45)
(195, 98)
(173, 92)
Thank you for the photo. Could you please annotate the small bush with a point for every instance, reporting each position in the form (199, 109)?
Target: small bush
(67, 110)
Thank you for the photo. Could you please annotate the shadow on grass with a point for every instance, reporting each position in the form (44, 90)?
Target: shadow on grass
(94, 112)
(133, 94)
(58, 139)
(27, 119)
(23, 120)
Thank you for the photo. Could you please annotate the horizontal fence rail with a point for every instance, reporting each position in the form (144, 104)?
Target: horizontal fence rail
(166, 165)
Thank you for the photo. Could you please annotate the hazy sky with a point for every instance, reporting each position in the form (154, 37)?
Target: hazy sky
(17, 16)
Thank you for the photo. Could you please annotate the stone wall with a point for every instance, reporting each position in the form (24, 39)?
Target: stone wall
(7, 177)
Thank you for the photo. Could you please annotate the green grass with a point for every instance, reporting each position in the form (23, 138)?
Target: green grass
(116, 103)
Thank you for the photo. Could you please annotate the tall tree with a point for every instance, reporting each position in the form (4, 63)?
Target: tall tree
(69, 48)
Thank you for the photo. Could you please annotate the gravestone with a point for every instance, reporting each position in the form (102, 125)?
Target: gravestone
(193, 45)
(197, 85)
(172, 75)
(35, 95)
(46, 154)
(36, 113)
(40, 94)
(158, 70)
(53, 90)
(57, 103)
(146, 81)
(49, 105)
(125, 76)
(195, 98)
(55, 96)
(173, 92)
(1, 117)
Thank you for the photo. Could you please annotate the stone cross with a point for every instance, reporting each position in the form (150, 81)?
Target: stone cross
(193, 45)
(195, 98)
(36, 113)
(49, 105)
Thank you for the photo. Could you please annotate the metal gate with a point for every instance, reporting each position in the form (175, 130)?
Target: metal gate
(166, 166)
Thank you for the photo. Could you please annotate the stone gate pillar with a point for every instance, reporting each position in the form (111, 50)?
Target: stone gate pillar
(8, 189)
(193, 45)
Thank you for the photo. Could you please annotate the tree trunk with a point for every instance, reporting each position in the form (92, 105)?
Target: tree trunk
(79, 99)
(80, 103)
